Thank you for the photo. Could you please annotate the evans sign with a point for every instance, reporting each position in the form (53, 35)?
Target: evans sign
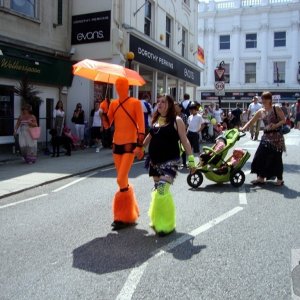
(155, 58)
(91, 28)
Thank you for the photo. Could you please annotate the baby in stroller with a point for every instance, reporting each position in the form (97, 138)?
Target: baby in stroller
(217, 148)
(233, 161)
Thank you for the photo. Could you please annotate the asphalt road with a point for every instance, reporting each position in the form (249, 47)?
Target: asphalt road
(56, 241)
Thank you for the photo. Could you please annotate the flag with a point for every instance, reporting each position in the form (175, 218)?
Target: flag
(200, 54)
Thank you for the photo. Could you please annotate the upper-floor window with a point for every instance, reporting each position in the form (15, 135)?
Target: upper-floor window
(251, 40)
(279, 72)
(25, 7)
(183, 42)
(226, 73)
(224, 42)
(148, 18)
(168, 31)
(280, 39)
(250, 72)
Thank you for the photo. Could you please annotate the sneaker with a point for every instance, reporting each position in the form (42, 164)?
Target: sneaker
(97, 150)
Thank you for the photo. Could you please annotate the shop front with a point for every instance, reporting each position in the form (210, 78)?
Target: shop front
(47, 74)
(162, 71)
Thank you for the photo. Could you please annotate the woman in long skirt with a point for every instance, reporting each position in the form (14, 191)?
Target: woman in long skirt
(28, 146)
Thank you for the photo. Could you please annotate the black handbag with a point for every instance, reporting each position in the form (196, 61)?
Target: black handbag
(284, 129)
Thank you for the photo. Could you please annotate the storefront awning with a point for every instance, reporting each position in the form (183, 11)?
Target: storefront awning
(40, 68)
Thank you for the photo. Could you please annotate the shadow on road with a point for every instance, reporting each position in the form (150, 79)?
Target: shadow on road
(130, 248)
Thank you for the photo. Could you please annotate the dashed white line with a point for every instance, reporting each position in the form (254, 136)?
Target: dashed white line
(73, 182)
(137, 273)
(22, 201)
(242, 196)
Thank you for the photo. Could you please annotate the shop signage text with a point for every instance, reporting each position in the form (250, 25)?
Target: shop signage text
(6, 63)
(91, 28)
(151, 56)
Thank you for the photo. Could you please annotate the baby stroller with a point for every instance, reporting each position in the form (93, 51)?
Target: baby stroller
(219, 169)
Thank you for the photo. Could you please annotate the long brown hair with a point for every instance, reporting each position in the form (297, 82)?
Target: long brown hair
(171, 113)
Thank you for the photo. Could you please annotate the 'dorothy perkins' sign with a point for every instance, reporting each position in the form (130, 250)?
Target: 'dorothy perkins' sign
(91, 28)
(151, 56)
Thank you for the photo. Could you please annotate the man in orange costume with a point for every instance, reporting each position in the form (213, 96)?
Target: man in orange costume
(127, 115)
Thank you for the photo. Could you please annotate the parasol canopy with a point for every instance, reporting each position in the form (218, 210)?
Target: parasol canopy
(106, 72)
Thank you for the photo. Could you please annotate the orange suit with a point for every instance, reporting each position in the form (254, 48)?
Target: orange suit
(127, 115)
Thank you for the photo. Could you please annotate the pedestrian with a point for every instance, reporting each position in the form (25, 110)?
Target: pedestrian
(267, 162)
(252, 109)
(127, 115)
(186, 104)
(218, 114)
(147, 109)
(244, 117)
(183, 116)
(28, 146)
(78, 119)
(236, 116)
(167, 130)
(297, 113)
(107, 128)
(59, 117)
(195, 126)
(96, 129)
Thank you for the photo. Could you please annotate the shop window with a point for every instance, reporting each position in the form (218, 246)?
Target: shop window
(279, 72)
(25, 7)
(168, 31)
(224, 42)
(280, 39)
(250, 72)
(148, 18)
(6, 111)
(251, 40)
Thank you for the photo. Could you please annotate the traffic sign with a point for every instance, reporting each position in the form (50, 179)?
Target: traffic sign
(219, 74)
(220, 88)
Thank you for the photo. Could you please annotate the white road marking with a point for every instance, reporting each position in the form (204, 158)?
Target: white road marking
(295, 263)
(242, 196)
(22, 201)
(137, 273)
(73, 182)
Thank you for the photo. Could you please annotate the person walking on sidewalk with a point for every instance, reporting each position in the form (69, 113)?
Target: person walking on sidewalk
(59, 117)
(28, 146)
(96, 129)
(252, 109)
(78, 119)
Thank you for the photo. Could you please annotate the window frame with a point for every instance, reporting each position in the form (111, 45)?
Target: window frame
(281, 71)
(184, 34)
(224, 42)
(148, 19)
(169, 33)
(226, 66)
(278, 40)
(24, 13)
(250, 73)
(249, 41)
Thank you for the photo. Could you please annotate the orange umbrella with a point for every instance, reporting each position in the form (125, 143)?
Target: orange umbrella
(106, 72)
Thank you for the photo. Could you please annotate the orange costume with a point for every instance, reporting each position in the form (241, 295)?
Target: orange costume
(127, 115)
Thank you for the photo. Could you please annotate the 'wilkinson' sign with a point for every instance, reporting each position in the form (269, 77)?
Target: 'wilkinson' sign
(91, 28)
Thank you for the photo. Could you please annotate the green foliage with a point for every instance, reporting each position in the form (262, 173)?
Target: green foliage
(28, 93)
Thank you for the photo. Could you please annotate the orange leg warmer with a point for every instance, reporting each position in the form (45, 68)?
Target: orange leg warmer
(125, 206)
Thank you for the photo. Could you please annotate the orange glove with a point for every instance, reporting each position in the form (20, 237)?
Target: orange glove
(139, 152)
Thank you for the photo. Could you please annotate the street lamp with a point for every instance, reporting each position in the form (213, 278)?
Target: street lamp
(130, 58)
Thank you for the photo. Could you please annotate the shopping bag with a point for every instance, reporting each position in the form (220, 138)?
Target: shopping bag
(35, 132)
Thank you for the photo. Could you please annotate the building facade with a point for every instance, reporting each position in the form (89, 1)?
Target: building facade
(161, 35)
(34, 43)
(258, 41)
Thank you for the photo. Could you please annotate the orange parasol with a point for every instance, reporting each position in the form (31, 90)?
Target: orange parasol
(106, 72)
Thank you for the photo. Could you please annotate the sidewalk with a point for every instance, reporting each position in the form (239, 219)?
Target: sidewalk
(17, 176)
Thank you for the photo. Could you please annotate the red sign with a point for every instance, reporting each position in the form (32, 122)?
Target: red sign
(219, 74)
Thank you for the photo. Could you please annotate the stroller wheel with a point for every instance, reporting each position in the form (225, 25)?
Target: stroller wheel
(237, 178)
(195, 180)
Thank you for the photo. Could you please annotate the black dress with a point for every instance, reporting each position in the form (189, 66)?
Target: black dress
(267, 161)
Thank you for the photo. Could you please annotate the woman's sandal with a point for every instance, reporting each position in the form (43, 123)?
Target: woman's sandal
(279, 183)
(257, 182)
